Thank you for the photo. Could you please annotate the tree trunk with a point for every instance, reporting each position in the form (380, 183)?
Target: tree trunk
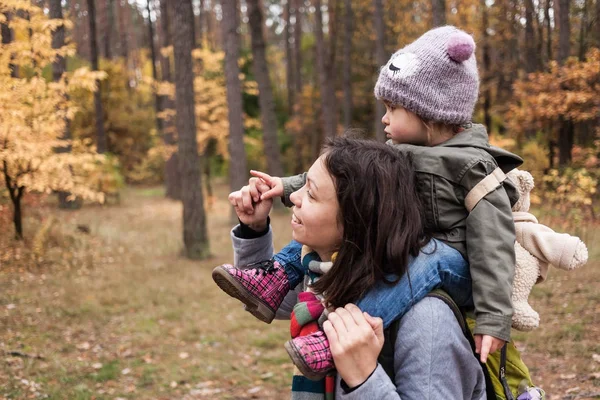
(289, 62)
(564, 31)
(153, 60)
(210, 34)
(172, 177)
(101, 139)
(530, 52)
(438, 11)
(380, 60)
(485, 75)
(265, 95)
(325, 81)
(566, 136)
(105, 17)
(16, 193)
(59, 66)
(199, 28)
(582, 32)
(566, 129)
(110, 26)
(195, 237)
(297, 48)
(598, 23)
(124, 22)
(7, 37)
(238, 170)
(548, 29)
(347, 63)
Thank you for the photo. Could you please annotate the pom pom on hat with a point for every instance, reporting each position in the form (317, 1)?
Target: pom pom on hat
(460, 46)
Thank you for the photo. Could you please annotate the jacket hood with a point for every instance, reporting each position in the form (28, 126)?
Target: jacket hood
(476, 136)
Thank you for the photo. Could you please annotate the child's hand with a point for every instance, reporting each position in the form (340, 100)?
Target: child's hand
(275, 184)
(260, 187)
(486, 345)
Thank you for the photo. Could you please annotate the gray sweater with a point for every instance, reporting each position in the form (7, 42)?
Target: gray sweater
(433, 360)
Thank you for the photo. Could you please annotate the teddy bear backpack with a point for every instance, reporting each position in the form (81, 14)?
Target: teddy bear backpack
(536, 248)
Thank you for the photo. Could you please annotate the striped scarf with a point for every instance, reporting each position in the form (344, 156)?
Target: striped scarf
(305, 319)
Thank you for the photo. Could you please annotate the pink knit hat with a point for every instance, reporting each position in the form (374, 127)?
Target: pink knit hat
(435, 77)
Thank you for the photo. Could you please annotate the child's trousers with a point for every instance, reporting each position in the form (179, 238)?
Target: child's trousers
(436, 266)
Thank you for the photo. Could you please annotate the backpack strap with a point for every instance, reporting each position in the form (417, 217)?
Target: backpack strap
(388, 351)
(486, 186)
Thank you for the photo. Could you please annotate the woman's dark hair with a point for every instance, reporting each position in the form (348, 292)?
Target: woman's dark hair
(380, 213)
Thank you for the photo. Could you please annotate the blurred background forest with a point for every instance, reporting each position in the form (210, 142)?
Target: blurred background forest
(157, 109)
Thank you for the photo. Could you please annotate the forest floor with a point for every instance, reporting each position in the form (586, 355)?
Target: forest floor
(98, 303)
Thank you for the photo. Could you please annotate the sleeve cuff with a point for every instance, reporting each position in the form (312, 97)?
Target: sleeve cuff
(243, 231)
(497, 326)
(348, 389)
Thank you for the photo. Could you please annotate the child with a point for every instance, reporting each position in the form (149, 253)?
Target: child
(430, 88)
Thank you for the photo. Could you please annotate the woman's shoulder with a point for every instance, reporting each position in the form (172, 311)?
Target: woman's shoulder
(428, 313)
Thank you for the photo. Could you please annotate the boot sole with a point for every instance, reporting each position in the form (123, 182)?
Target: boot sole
(301, 364)
(232, 287)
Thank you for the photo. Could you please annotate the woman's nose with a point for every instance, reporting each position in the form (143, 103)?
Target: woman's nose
(295, 198)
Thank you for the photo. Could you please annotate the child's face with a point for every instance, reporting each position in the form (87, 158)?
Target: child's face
(403, 126)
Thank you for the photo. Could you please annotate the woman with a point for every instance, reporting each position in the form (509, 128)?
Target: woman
(359, 210)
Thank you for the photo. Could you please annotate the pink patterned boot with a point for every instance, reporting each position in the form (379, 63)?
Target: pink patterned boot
(260, 286)
(311, 354)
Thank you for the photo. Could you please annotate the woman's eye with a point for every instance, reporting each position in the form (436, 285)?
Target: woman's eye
(309, 195)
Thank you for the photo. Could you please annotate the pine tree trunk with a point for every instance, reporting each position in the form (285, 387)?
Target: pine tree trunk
(438, 11)
(347, 63)
(7, 37)
(297, 48)
(380, 60)
(210, 34)
(566, 128)
(101, 139)
(172, 177)
(598, 23)
(325, 81)
(265, 96)
(195, 236)
(289, 62)
(238, 171)
(124, 22)
(110, 26)
(582, 33)
(564, 31)
(199, 28)
(153, 60)
(105, 10)
(530, 47)
(548, 30)
(485, 75)
(59, 66)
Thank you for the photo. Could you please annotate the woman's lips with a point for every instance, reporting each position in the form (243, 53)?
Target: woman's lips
(295, 220)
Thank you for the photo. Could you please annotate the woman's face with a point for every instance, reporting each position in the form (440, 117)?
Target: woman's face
(315, 211)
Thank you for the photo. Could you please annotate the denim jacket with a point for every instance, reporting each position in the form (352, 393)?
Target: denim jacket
(486, 235)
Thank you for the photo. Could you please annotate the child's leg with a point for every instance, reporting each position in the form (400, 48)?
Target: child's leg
(262, 286)
(290, 259)
(437, 266)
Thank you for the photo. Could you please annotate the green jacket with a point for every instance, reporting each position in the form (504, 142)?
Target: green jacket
(486, 236)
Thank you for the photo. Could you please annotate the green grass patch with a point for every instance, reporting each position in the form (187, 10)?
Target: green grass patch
(109, 371)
